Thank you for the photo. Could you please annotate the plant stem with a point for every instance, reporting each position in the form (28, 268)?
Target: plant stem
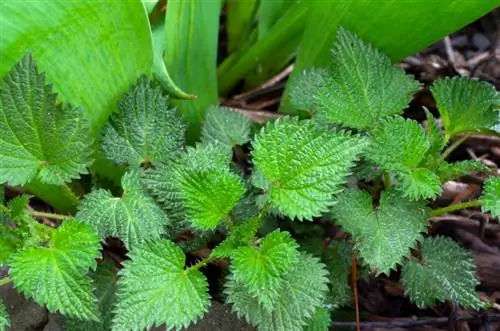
(454, 146)
(5, 281)
(455, 207)
(201, 263)
(35, 213)
(387, 180)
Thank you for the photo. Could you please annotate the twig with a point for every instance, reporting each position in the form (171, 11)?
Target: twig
(248, 95)
(455, 207)
(354, 276)
(35, 213)
(410, 323)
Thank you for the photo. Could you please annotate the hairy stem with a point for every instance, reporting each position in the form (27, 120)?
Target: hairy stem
(201, 263)
(5, 281)
(455, 207)
(454, 146)
(35, 213)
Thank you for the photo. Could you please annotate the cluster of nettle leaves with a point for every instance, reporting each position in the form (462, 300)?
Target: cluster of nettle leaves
(302, 169)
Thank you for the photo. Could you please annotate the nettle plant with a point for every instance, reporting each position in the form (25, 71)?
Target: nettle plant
(260, 214)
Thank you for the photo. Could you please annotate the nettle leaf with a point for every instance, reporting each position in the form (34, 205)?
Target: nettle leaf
(303, 291)
(491, 196)
(133, 217)
(207, 187)
(104, 278)
(321, 320)
(304, 87)
(39, 139)
(225, 126)
(449, 171)
(56, 275)
(263, 268)
(446, 272)
(434, 134)
(303, 165)
(400, 145)
(339, 259)
(465, 104)
(364, 86)
(383, 235)
(4, 317)
(240, 235)
(146, 130)
(154, 288)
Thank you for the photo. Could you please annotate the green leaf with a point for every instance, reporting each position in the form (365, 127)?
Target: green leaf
(321, 320)
(240, 235)
(465, 104)
(134, 217)
(339, 260)
(446, 272)
(303, 165)
(240, 18)
(56, 275)
(419, 183)
(354, 95)
(303, 291)
(39, 138)
(449, 171)
(4, 317)
(225, 126)
(145, 130)
(402, 35)
(104, 288)
(191, 34)
(262, 269)
(154, 278)
(434, 134)
(384, 235)
(491, 196)
(302, 90)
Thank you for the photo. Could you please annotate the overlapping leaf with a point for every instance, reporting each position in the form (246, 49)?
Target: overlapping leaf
(339, 259)
(56, 275)
(364, 86)
(145, 130)
(225, 126)
(39, 139)
(133, 217)
(465, 104)
(303, 165)
(154, 288)
(240, 235)
(304, 87)
(491, 196)
(449, 171)
(446, 272)
(303, 291)
(262, 269)
(383, 235)
(434, 134)
(4, 317)
(321, 320)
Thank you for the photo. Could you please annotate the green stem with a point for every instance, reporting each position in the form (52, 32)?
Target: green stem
(455, 207)
(201, 263)
(454, 146)
(387, 180)
(5, 281)
(35, 213)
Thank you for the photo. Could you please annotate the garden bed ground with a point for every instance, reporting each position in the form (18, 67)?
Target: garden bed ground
(473, 51)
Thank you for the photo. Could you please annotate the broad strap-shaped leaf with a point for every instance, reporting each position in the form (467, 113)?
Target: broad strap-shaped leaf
(303, 165)
(39, 139)
(262, 269)
(446, 271)
(338, 259)
(449, 171)
(226, 126)
(491, 196)
(56, 275)
(364, 86)
(133, 217)
(4, 317)
(303, 291)
(104, 278)
(400, 145)
(383, 235)
(465, 105)
(145, 130)
(155, 288)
